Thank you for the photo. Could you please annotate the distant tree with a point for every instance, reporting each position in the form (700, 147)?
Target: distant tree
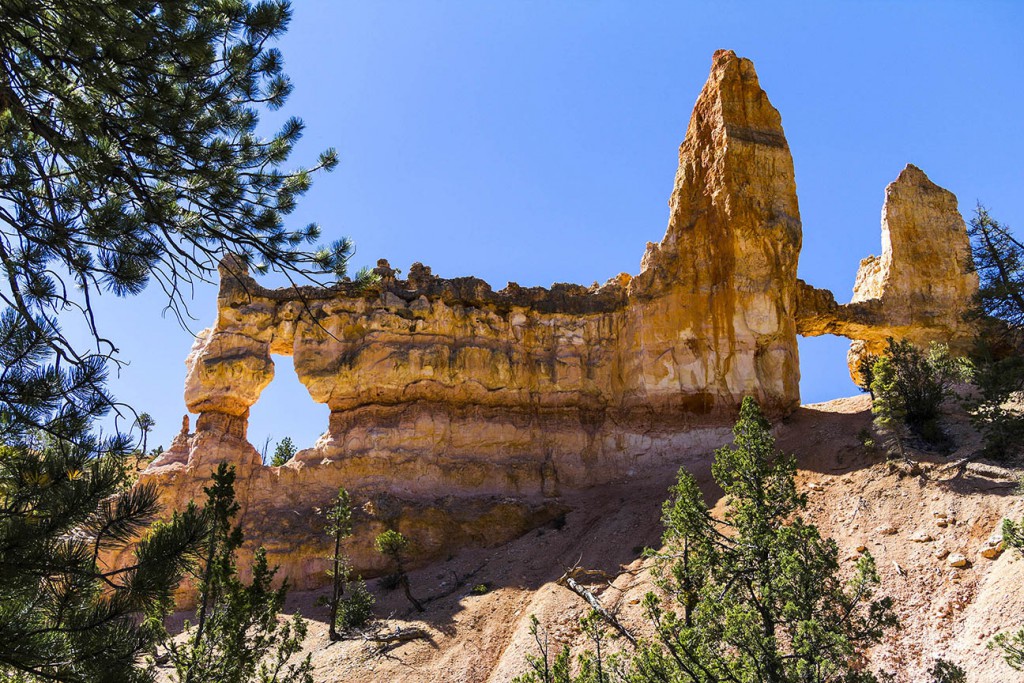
(145, 423)
(237, 636)
(284, 452)
(393, 545)
(355, 609)
(760, 589)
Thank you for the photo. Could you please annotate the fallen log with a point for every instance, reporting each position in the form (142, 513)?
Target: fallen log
(399, 635)
(592, 600)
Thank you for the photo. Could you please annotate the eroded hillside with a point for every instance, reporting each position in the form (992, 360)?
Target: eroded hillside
(856, 497)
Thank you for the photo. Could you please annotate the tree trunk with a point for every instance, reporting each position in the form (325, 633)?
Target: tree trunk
(404, 580)
(336, 592)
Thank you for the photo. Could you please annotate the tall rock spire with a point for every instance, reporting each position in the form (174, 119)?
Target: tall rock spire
(726, 267)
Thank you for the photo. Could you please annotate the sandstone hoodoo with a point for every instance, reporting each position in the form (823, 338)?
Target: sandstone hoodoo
(919, 288)
(459, 414)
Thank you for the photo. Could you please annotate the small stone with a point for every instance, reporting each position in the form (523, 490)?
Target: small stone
(861, 548)
(993, 547)
(941, 553)
(922, 537)
(886, 530)
(958, 560)
(814, 486)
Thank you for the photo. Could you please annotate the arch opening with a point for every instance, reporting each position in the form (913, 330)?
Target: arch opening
(823, 371)
(285, 409)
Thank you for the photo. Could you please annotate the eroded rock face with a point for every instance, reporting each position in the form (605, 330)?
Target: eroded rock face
(439, 385)
(459, 414)
(919, 289)
(713, 307)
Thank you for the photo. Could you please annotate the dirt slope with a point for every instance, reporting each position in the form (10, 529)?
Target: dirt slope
(854, 494)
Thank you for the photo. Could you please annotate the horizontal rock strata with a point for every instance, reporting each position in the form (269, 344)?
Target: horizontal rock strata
(459, 413)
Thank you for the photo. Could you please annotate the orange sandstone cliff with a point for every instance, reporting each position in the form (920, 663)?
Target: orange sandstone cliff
(460, 414)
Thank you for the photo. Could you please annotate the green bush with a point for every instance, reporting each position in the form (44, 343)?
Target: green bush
(997, 371)
(355, 609)
(946, 672)
(1011, 643)
(908, 386)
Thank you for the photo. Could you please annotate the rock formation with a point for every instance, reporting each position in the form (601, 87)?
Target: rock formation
(919, 288)
(712, 311)
(459, 414)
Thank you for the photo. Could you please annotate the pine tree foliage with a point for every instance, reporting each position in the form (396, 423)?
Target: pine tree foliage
(946, 672)
(756, 595)
(129, 154)
(238, 636)
(543, 668)
(394, 546)
(354, 609)
(999, 261)
(548, 667)
(997, 362)
(1011, 643)
(908, 387)
(888, 407)
(996, 368)
(283, 452)
(64, 614)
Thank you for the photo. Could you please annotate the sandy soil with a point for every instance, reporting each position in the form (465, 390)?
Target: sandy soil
(854, 493)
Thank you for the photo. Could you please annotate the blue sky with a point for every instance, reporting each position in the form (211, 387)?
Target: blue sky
(537, 142)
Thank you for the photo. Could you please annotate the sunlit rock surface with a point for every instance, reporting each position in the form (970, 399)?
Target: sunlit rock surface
(459, 414)
(919, 289)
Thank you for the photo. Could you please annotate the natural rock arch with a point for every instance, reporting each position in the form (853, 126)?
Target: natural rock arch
(451, 402)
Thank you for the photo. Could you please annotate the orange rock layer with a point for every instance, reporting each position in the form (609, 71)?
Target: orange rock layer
(458, 414)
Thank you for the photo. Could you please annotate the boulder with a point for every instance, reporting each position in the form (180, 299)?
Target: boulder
(958, 560)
